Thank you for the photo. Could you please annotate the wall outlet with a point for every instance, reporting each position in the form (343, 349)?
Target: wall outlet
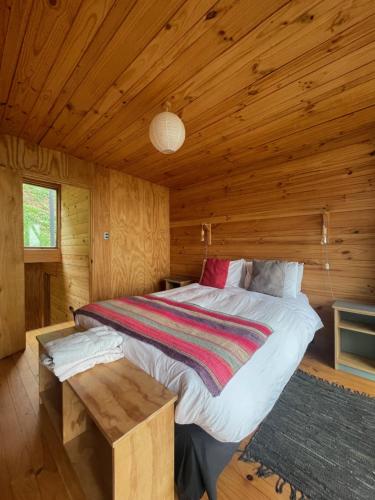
(106, 235)
(326, 266)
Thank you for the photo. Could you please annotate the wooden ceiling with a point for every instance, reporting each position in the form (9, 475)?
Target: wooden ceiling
(256, 82)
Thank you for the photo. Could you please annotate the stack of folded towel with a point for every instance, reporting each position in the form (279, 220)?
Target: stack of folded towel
(78, 352)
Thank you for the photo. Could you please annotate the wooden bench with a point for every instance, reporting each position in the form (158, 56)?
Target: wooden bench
(117, 425)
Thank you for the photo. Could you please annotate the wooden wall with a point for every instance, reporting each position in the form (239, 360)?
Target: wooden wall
(135, 212)
(12, 322)
(274, 213)
(70, 285)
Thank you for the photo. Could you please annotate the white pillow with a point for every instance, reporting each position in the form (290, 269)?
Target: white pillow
(300, 277)
(291, 281)
(236, 274)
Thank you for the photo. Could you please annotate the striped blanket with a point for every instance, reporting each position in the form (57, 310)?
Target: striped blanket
(214, 344)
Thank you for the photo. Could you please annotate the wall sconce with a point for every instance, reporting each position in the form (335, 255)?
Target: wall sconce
(206, 234)
(324, 241)
(325, 224)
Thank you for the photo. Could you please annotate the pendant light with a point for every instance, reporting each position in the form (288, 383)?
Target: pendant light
(167, 131)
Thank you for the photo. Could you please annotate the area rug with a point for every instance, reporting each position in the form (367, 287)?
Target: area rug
(320, 439)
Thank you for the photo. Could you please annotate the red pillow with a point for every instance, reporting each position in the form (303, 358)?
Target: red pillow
(215, 273)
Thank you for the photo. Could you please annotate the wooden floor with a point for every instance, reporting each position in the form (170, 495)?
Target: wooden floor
(33, 464)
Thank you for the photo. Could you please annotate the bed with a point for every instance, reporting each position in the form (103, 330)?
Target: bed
(251, 393)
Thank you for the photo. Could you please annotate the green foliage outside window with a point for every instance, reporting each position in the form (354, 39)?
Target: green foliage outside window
(39, 216)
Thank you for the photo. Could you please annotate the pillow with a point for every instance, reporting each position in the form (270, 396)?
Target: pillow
(300, 277)
(248, 273)
(215, 273)
(236, 273)
(275, 277)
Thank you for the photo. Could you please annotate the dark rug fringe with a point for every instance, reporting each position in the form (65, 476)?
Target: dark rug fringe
(334, 384)
(264, 471)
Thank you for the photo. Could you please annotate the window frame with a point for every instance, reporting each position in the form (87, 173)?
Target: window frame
(45, 254)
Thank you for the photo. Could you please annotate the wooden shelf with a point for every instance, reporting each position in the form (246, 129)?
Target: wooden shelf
(357, 327)
(356, 361)
(91, 457)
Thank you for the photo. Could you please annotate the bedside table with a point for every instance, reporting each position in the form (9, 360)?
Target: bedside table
(176, 282)
(355, 338)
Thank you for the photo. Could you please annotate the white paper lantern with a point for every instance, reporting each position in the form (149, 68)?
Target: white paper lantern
(167, 132)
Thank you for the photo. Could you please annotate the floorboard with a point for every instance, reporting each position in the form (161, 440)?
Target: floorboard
(34, 465)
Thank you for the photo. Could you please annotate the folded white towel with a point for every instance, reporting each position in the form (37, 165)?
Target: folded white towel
(83, 345)
(81, 351)
(66, 371)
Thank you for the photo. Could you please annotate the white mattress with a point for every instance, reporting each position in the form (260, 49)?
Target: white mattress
(251, 393)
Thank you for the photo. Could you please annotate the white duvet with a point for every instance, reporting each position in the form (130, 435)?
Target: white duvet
(251, 393)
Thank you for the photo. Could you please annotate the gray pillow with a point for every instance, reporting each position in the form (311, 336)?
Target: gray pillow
(268, 277)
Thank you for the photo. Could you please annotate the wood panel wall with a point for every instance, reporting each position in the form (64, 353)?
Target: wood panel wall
(136, 256)
(135, 212)
(70, 285)
(275, 213)
(12, 323)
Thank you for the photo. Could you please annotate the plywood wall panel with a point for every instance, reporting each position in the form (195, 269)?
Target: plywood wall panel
(45, 164)
(127, 234)
(139, 235)
(101, 249)
(157, 238)
(12, 294)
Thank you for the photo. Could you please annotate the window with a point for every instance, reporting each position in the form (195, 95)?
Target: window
(40, 216)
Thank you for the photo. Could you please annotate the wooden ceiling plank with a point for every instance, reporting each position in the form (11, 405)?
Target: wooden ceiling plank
(246, 48)
(17, 24)
(265, 87)
(301, 144)
(5, 8)
(236, 126)
(285, 100)
(110, 25)
(347, 20)
(323, 162)
(235, 24)
(184, 28)
(292, 48)
(340, 103)
(201, 207)
(45, 33)
(84, 27)
(296, 138)
(118, 54)
(248, 43)
(280, 177)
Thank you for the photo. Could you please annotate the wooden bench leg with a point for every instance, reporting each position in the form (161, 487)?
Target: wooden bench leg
(143, 461)
(75, 420)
